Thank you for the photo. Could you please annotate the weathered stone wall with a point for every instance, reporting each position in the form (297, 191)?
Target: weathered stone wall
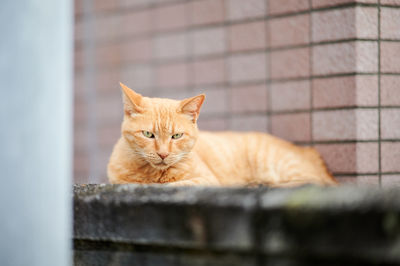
(158, 225)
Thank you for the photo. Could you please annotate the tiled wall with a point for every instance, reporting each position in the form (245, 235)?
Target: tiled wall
(319, 72)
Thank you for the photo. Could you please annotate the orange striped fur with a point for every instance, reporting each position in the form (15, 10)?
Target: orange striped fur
(203, 158)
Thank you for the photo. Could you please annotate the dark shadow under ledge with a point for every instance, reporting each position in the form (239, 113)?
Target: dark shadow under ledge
(159, 225)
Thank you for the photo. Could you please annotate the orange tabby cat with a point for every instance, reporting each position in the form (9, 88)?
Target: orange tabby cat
(160, 143)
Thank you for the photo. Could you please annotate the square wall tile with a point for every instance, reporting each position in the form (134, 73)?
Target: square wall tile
(249, 98)
(139, 76)
(390, 90)
(293, 63)
(294, 30)
(390, 23)
(216, 101)
(340, 158)
(390, 123)
(171, 46)
(213, 124)
(172, 75)
(359, 90)
(206, 12)
(390, 181)
(390, 52)
(247, 36)
(390, 156)
(170, 17)
(292, 127)
(257, 123)
(210, 71)
(287, 6)
(357, 124)
(133, 23)
(367, 157)
(239, 9)
(135, 51)
(346, 57)
(208, 41)
(290, 95)
(247, 67)
(346, 23)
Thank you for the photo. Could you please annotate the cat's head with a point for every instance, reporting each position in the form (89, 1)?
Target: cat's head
(160, 131)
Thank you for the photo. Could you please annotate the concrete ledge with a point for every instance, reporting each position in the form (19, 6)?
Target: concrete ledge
(159, 225)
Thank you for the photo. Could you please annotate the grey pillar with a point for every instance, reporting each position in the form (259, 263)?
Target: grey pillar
(35, 132)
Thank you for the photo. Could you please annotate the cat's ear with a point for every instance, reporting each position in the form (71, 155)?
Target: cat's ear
(131, 100)
(191, 106)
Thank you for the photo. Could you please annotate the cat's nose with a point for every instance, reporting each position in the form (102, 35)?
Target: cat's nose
(163, 155)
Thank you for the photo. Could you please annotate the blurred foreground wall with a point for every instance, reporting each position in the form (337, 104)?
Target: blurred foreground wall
(318, 72)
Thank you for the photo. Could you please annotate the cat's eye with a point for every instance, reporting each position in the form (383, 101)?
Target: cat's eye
(148, 134)
(177, 135)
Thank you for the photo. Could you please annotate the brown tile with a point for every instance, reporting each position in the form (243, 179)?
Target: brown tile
(357, 90)
(248, 36)
(170, 17)
(247, 67)
(250, 98)
(390, 181)
(171, 46)
(134, 23)
(206, 12)
(208, 71)
(368, 180)
(257, 123)
(390, 90)
(287, 6)
(208, 41)
(239, 9)
(326, 3)
(171, 75)
(354, 22)
(216, 101)
(292, 127)
(390, 23)
(139, 76)
(390, 123)
(286, 31)
(135, 51)
(390, 52)
(390, 156)
(290, 95)
(340, 158)
(213, 124)
(345, 125)
(291, 63)
(345, 58)
(108, 135)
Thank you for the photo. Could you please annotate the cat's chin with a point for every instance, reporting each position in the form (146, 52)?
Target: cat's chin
(160, 166)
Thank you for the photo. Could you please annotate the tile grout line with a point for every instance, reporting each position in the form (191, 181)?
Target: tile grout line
(268, 66)
(379, 97)
(311, 74)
